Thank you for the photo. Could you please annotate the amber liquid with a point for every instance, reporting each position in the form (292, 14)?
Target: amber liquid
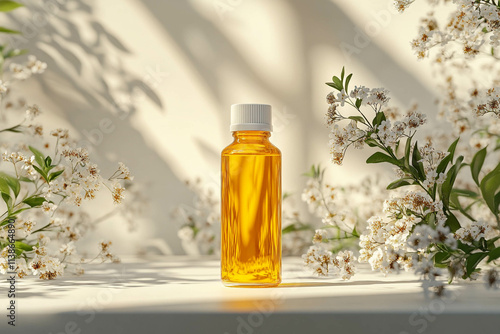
(251, 211)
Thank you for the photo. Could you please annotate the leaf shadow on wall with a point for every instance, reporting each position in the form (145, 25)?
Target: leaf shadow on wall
(90, 83)
(320, 22)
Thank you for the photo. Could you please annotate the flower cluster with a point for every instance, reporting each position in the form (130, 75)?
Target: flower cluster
(342, 211)
(486, 101)
(44, 184)
(323, 200)
(322, 262)
(440, 221)
(473, 27)
(25, 71)
(395, 240)
(476, 231)
(401, 5)
(359, 130)
(200, 224)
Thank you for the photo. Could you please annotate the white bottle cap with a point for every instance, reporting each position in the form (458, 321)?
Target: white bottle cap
(251, 117)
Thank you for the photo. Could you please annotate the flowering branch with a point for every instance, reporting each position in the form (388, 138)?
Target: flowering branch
(419, 229)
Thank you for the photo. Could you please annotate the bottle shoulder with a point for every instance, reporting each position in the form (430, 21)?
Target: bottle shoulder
(247, 148)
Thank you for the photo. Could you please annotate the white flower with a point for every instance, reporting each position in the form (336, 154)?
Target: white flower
(378, 97)
(476, 231)
(360, 92)
(125, 172)
(401, 5)
(342, 97)
(422, 237)
(22, 269)
(492, 279)
(345, 263)
(43, 239)
(318, 259)
(117, 193)
(444, 236)
(426, 268)
(48, 207)
(3, 87)
(330, 98)
(76, 155)
(36, 66)
(68, 249)
(46, 267)
(205, 240)
(186, 233)
(319, 236)
(20, 72)
(32, 112)
(24, 227)
(4, 265)
(414, 120)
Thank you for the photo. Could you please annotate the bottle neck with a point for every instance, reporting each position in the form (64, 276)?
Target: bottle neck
(251, 136)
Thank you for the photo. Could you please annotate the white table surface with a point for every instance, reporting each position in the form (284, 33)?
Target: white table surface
(184, 295)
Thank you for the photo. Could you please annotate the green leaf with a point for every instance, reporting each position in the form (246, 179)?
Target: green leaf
(52, 176)
(39, 157)
(296, 227)
(456, 205)
(494, 254)
(452, 222)
(358, 103)
(379, 117)
(441, 257)
(12, 182)
(497, 200)
(41, 172)
(7, 5)
(333, 85)
(8, 31)
(489, 186)
(483, 245)
(419, 166)
(14, 53)
(25, 179)
(347, 81)
(449, 158)
(371, 142)
(8, 200)
(338, 83)
(4, 186)
(23, 246)
(15, 129)
(477, 164)
(357, 118)
(451, 176)
(355, 232)
(398, 183)
(379, 157)
(465, 247)
(473, 261)
(407, 155)
(491, 243)
(465, 193)
(342, 74)
(48, 161)
(314, 172)
(34, 201)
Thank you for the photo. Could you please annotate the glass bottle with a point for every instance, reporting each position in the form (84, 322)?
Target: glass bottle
(251, 201)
